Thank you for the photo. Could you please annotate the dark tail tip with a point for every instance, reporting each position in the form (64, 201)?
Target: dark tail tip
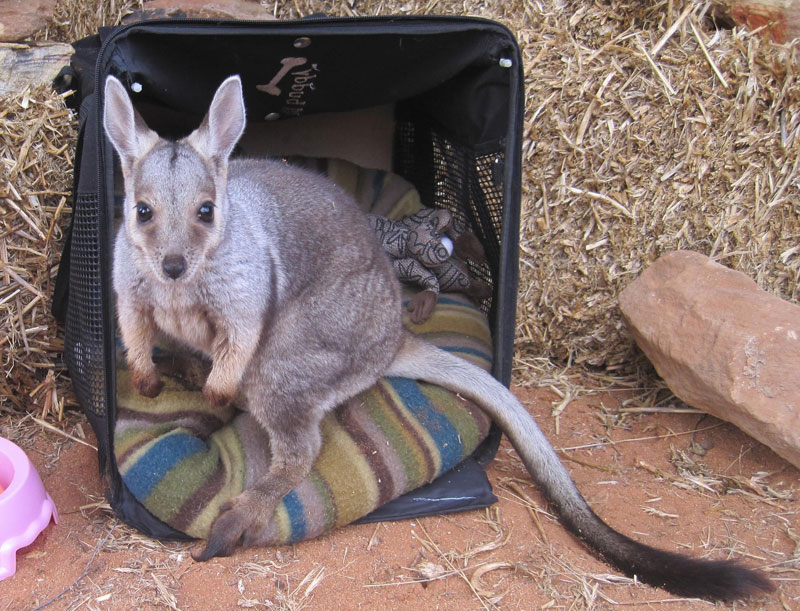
(724, 580)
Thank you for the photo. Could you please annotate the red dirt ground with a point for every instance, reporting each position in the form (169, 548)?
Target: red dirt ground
(92, 560)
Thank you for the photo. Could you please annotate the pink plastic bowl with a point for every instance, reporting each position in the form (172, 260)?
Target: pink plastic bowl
(25, 507)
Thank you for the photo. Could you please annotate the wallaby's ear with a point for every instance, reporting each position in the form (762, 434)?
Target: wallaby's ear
(124, 127)
(224, 123)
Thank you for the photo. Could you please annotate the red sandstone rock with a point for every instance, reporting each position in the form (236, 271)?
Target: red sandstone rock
(778, 18)
(721, 344)
(20, 19)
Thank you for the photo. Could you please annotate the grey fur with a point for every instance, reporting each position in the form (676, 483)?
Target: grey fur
(296, 304)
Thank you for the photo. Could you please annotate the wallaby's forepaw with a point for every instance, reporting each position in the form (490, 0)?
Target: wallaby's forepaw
(421, 306)
(147, 384)
(218, 399)
(241, 520)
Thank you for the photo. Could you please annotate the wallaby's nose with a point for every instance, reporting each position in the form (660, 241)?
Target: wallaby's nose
(174, 266)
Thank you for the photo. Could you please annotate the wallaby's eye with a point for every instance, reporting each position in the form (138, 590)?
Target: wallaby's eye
(206, 212)
(143, 212)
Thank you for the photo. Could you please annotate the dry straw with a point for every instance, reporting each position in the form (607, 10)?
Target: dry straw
(648, 130)
(36, 150)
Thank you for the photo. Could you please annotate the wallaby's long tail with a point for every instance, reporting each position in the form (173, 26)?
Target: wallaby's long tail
(681, 575)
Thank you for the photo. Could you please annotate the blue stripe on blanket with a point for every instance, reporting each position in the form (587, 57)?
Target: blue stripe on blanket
(167, 452)
(297, 516)
(465, 350)
(441, 430)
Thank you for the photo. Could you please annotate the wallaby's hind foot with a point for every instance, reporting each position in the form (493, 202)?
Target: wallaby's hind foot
(239, 518)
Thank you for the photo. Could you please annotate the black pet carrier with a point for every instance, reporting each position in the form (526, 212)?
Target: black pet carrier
(432, 102)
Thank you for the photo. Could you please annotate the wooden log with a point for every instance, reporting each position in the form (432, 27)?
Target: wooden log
(30, 65)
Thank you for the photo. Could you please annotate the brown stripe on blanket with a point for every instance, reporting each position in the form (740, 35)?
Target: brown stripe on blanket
(369, 450)
(398, 482)
(193, 505)
(198, 422)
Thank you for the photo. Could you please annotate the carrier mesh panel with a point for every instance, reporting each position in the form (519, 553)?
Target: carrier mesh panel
(83, 344)
(450, 176)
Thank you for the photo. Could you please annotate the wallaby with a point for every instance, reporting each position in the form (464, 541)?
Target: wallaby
(273, 273)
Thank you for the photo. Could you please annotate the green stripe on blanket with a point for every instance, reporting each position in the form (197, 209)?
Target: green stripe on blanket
(182, 459)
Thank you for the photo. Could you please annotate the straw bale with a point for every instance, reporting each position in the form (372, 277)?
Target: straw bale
(37, 138)
(76, 19)
(634, 147)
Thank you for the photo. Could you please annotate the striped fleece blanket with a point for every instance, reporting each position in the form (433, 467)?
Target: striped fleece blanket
(183, 459)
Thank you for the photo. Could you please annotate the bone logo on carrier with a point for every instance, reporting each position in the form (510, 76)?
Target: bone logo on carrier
(294, 96)
(287, 63)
